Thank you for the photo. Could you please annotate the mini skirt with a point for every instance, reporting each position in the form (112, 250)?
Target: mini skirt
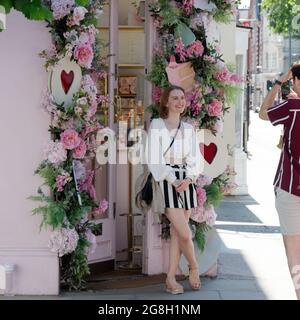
(288, 208)
(181, 200)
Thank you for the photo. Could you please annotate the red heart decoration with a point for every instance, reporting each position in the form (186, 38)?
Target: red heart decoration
(208, 151)
(66, 80)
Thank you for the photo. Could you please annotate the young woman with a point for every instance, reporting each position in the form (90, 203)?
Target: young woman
(176, 166)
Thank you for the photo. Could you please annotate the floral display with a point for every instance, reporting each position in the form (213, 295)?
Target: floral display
(66, 167)
(181, 43)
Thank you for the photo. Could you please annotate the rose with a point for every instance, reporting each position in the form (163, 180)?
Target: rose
(70, 139)
(84, 55)
(215, 108)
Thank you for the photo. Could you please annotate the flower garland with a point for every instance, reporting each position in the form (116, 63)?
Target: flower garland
(181, 28)
(73, 129)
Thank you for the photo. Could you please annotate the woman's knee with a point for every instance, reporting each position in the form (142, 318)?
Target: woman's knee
(185, 236)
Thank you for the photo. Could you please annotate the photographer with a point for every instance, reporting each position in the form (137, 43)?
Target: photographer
(287, 178)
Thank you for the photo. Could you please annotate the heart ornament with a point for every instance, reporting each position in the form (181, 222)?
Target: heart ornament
(214, 154)
(64, 81)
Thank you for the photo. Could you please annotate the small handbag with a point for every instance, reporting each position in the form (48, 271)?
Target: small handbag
(144, 196)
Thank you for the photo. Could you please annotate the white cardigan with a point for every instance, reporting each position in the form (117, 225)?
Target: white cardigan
(185, 150)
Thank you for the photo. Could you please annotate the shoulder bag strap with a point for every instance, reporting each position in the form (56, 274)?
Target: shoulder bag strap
(173, 139)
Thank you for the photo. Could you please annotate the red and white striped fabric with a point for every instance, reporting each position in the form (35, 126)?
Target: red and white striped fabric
(287, 176)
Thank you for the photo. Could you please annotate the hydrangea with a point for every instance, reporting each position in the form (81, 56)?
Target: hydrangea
(48, 102)
(63, 241)
(79, 169)
(55, 153)
(61, 8)
(89, 86)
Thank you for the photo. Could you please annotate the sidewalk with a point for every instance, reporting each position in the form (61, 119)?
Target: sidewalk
(252, 263)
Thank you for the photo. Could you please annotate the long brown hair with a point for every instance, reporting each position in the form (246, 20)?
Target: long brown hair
(163, 109)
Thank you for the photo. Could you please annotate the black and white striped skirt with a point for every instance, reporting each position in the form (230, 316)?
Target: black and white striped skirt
(173, 199)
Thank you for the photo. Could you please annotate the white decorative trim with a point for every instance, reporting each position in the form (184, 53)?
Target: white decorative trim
(17, 251)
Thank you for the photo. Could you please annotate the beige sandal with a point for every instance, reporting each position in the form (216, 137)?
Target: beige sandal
(194, 279)
(177, 289)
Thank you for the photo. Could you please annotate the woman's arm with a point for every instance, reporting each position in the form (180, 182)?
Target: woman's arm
(154, 154)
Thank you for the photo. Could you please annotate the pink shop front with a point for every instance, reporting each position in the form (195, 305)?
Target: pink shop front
(126, 239)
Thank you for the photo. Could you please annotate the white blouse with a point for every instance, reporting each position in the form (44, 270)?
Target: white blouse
(185, 150)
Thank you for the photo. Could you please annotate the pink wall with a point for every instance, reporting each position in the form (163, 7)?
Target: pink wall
(23, 132)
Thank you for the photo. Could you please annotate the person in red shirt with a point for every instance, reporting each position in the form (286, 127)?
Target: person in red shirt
(287, 178)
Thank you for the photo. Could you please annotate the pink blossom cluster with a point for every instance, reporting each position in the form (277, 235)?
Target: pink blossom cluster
(103, 206)
(80, 151)
(55, 153)
(62, 180)
(215, 108)
(61, 8)
(207, 215)
(193, 101)
(187, 6)
(63, 241)
(203, 180)
(87, 185)
(84, 54)
(228, 188)
(70, 139)
(195, 49)
(226, 76)
(201, 196)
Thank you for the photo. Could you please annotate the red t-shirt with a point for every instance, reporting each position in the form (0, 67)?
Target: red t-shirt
(288, 172)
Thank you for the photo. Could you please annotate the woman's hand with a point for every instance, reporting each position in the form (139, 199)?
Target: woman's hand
(183, 185)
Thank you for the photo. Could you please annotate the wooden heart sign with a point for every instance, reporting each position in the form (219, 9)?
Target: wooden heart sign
(208, 151)
(64, 81)
(213, 150)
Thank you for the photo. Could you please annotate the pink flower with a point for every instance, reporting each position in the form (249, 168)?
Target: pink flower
(180, 49)
(215, 108)
(203, 181)
(70, 139)
(80, 151)
(196, 49)
(196, 109)
(207, 215)
(187, 6)
(93, 108)
(87, 185)
(103, 206)
(84, 55)
(201, 196)
(62, 180)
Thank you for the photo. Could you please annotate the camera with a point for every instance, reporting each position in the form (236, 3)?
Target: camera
(285, 89)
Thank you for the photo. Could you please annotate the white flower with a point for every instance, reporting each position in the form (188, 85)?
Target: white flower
(55, 153)
(63, 241)
(61, 8)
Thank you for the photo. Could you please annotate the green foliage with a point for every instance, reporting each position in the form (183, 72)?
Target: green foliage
(75, 266)
(7, 4)
(213, 195)
(49, 174)
(201, 229)
(283, 15)
(83, 3)
(158, 73)
(231, 93)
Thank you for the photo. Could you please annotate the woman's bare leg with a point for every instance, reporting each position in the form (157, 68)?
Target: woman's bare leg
(180, 224)
(292, 249)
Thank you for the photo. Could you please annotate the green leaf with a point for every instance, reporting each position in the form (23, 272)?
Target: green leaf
(185, 33)
(7, 4)
(33, 9)
(83, 3)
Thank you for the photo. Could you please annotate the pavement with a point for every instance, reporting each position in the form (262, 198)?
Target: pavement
(252, 263)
